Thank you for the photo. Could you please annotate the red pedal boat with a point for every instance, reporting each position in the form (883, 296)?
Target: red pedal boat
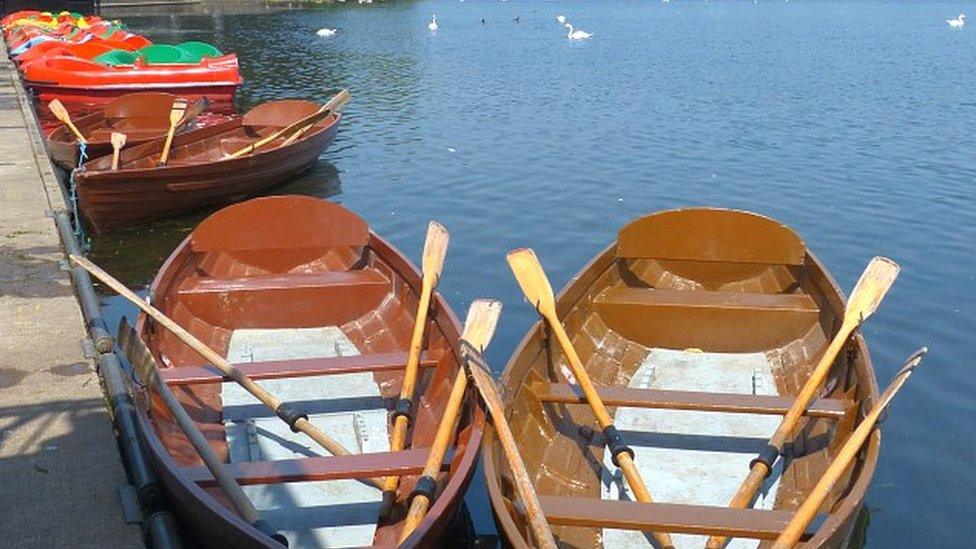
(84, 86)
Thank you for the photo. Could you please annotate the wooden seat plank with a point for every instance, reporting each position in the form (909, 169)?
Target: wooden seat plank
(385, 362)
(668, 517)
(711, 320)
(353, 466)
(360, 278)
(690, 400)
(690, 299)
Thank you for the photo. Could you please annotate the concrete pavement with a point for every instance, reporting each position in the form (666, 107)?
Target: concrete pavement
(59, 463)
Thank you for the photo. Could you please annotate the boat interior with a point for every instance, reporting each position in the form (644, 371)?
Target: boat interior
(697, 327)
(215, 142)
(139, 116)
(320, 312)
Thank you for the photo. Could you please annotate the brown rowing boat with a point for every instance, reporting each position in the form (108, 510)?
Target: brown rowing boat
(199, 172)
(141, 117)
(698, 328)
(299, 294)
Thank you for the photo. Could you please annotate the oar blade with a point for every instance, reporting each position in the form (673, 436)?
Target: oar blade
(871, 288)
(118, 140)
(899, 379)
(435, 249)
(135, 351)
(177, 111)
(479, 326)
(58, 109)
(532, 278)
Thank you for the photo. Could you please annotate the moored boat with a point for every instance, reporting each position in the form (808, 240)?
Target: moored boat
(698, 328)
(142, 117)
(301, 296)
(83, 84)
(200, 172)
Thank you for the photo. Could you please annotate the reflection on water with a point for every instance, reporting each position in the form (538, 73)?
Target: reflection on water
(851, 122)
(136, 254)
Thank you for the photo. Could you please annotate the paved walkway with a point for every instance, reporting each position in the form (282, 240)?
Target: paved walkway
(59, 463)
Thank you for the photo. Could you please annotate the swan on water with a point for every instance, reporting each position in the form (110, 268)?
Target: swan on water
(576, 34)
(958, 22)
(433, 23)
(326, 32)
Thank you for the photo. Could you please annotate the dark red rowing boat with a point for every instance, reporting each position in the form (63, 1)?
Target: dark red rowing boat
(299, 294)
(199, 173)
(141, 117)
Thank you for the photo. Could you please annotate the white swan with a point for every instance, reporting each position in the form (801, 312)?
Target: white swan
(958, 22)
(576, 34)
(433, 23)
(326, 32)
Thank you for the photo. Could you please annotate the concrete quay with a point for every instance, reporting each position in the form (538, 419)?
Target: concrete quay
(60, 468)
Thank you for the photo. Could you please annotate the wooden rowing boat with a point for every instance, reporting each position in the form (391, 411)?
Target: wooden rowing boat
(198, 173)
(698, 328)
(298, 293)
(142, 117)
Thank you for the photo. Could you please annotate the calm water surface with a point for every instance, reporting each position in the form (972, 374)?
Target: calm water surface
(851, 122)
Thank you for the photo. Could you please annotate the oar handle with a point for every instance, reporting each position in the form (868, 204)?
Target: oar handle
(476, 367)
(808, 509)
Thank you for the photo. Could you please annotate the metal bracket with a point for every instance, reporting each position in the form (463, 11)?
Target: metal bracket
(129, 499)
(88, 347)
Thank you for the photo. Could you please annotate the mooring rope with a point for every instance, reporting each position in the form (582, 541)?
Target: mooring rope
(76, 225)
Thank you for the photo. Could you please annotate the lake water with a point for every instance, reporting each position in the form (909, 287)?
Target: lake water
(851, 122)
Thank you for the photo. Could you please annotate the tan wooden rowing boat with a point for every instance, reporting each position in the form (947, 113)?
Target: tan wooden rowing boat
(698, 328)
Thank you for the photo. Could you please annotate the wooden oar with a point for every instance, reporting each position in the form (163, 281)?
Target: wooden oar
(535, 285)
(294, 417)
(142, 360)
(435, 248)
(175, 115)
(62, 115)
(478, 329)
(808, 509)
(118, 141)
(475, 365)
(870, 289)
(334, 104)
